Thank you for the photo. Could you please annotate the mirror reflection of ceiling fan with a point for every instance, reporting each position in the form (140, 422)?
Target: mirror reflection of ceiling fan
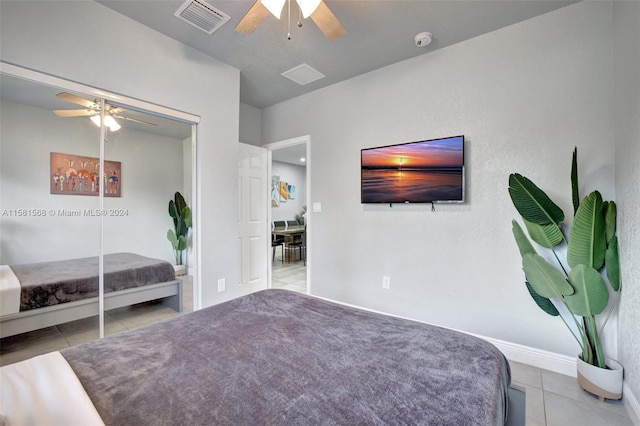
(316, 9)
(92, 110)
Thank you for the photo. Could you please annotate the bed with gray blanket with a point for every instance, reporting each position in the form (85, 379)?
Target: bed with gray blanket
(281, 358)
(59, 291)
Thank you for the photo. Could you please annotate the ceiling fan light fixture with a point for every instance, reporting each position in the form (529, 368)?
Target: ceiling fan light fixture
(109, 122)
(308, 7)
(274, 6)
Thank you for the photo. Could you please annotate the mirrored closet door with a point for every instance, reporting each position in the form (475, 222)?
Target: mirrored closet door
(85, 186)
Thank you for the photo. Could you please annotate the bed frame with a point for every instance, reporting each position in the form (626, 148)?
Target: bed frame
(34, 319)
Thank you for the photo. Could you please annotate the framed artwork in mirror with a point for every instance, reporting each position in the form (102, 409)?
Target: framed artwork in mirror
(77, 175)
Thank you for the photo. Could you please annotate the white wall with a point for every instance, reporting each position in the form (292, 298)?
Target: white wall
(293, 175)
(92, 44)
(523, 96)
(150, 176)
(626, 16)
(250, 125)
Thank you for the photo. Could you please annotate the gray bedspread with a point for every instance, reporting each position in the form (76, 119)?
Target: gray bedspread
(50, 283)
(281, 358)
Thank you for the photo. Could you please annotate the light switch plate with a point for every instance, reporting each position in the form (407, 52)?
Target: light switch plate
(317, 207)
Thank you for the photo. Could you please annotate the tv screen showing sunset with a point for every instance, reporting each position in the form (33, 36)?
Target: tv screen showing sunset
(416, 172)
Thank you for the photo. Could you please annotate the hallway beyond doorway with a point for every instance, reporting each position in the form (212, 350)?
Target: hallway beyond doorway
(289, 275)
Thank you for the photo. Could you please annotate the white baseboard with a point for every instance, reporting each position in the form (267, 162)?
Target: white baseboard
(536, 357)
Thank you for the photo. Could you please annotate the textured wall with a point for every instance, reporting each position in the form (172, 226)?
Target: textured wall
(523, 96)
(626, 18)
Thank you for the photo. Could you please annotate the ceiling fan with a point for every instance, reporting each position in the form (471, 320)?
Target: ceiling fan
(316, 9)
(92, 110)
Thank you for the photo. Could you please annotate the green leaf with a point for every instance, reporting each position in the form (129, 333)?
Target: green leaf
(591, 294)
(612, 260)
(186, 214)
(546, 280)
(610, 214)
(181, 228)
(575, 196)
(524, 245)
(532, 203)
(179, 200)
(173, 212)
(544, 303)
(548, 236)
(182, 243)
(173, 239)
(587, 241)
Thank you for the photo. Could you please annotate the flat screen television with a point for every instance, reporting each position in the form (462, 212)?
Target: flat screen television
(428, 171)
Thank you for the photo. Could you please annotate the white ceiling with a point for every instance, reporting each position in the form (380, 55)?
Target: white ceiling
(379, 33)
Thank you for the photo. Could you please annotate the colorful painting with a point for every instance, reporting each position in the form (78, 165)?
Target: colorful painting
(77, 175)
(292, 192)
(275, 191)
(284, 191)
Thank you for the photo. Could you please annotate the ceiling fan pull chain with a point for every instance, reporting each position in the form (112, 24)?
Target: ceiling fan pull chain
(289, 20)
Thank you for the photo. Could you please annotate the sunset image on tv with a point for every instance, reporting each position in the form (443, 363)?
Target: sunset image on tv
(416, 172)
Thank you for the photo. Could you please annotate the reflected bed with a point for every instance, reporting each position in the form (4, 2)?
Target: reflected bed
(38, 295)
(279, 357)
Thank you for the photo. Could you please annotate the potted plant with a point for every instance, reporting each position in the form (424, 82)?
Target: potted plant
(181, 215)
(580, 276)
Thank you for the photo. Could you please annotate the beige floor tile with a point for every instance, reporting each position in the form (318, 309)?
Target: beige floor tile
(27, 345)
(568, 387)
(535, 415)
(563, 411)
(525, 374)
(88, 329)
(142, 314)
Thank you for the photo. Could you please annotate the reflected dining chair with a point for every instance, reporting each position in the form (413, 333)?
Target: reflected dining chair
(278, 240)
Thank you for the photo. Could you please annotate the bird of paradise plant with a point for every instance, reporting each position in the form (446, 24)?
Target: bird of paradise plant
(582, 280)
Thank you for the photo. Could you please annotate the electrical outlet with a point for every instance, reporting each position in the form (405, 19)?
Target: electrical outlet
(221, 285)
(386, 282)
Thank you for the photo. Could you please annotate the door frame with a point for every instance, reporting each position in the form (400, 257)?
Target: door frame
(305, 139)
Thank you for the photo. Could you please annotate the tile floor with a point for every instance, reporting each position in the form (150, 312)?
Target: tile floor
(38, 342)
(289, 275)
(551, 399)
(554, 399)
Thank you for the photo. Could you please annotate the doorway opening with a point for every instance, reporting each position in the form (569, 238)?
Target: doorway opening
(288, 212)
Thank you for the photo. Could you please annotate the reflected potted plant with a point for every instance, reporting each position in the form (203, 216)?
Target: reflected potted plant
(579, 276)
(181, 215)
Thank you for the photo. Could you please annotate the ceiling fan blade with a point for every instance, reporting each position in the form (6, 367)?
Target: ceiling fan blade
(327, 22)
(74, 112)
(114, 110)
(135, 120)
(252, 18)
(78, 100)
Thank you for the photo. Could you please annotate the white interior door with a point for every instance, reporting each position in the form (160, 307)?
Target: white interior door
(254, 232)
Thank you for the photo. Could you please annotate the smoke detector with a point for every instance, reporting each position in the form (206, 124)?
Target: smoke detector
(423, 39)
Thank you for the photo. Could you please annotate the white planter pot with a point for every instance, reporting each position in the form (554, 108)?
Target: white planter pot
(180, 270)
(606, 383)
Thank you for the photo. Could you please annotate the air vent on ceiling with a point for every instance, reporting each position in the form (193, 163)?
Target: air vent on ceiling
(303, 74)
(202, 15)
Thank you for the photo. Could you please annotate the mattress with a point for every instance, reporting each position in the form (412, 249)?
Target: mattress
(278, 357)
(51, 283)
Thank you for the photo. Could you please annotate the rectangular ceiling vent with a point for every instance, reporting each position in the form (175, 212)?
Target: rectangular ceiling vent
(303, 74)
(202, 15)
